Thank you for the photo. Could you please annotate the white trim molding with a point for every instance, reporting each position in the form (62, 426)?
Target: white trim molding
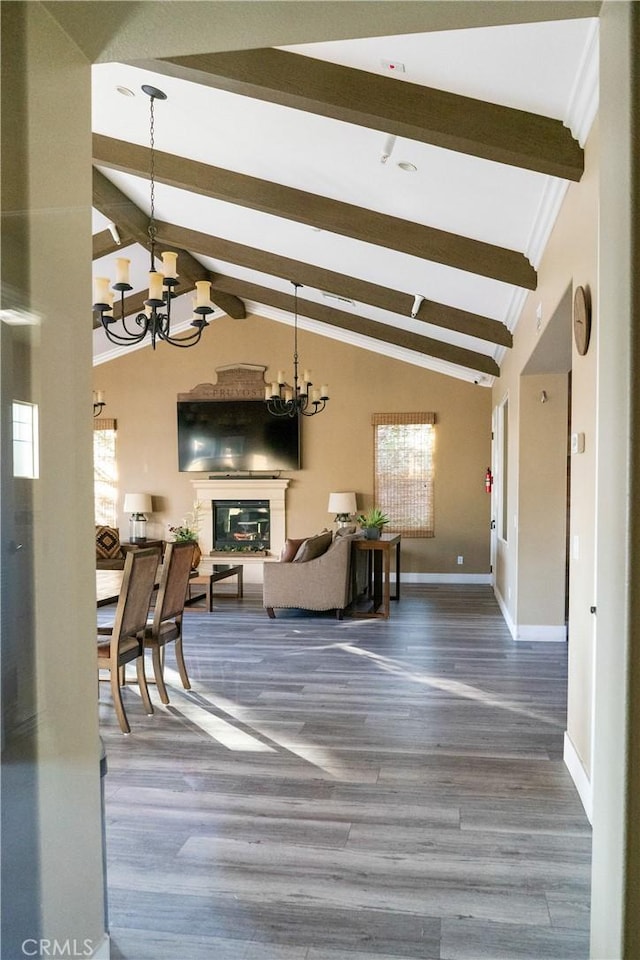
(541, 633)
(444, 577)
(579, 776)
(584, 98)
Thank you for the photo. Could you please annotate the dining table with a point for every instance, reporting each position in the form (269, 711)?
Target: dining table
(109, 583)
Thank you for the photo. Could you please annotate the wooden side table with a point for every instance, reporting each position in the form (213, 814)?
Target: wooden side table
(379, 573)
(219, 571)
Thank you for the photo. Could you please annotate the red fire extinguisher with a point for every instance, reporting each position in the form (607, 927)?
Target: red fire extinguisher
(488, 480)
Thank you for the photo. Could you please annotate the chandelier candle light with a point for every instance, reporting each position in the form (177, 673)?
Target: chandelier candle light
(161, 285)
(285, 401)
(99, 402)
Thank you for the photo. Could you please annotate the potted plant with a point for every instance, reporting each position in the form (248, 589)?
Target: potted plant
(372, 523)
(188, 531)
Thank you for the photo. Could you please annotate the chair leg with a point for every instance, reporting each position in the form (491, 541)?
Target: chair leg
(142, 683)
(271, 613)
(157, 660)
(117, 701)
(339, 614)
(181, 664)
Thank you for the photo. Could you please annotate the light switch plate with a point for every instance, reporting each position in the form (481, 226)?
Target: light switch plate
(577, 443)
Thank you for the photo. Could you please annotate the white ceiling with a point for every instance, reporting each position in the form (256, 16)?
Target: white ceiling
(546, 68)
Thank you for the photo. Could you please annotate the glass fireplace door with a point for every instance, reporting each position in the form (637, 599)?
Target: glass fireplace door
(241, 525)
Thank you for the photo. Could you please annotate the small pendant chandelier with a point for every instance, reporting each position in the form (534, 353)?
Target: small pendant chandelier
(285, 401)
(161, 285)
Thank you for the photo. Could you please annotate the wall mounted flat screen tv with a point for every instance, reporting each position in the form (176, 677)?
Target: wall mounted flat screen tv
(235, 436)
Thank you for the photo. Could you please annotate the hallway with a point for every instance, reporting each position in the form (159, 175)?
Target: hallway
(348, 791)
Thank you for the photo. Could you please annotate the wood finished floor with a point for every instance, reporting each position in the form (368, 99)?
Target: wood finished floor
(354, 790)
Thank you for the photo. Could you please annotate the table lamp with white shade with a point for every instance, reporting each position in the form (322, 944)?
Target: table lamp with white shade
(343, 505)
(138, 504)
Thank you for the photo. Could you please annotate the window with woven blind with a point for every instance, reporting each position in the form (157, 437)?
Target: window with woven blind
(404, 446)
(105, 471)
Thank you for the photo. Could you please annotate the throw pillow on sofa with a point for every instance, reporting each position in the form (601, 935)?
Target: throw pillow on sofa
(313, 547)
(107, 543)
(290, 549)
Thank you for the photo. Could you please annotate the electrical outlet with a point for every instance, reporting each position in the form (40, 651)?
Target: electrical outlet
(460, 561)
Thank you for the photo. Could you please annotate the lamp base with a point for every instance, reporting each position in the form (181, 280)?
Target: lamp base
(137, 528)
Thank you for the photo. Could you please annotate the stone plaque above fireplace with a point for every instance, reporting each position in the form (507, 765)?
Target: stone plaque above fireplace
(240, 381)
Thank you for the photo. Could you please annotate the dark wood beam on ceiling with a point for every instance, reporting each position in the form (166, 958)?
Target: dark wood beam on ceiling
(360, 325)
(104, 245)
(427, 243)
(133, 222)
(437, 314)
(437, 117)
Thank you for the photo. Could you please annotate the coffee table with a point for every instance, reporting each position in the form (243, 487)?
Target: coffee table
(219, 571)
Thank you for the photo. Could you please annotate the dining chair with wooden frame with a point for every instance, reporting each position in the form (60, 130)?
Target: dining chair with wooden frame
(124, 641)
(166, 626)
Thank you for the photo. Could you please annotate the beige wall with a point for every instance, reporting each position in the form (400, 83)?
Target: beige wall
(141, 390)
(538, 533)
(542, 492)
(570, 258)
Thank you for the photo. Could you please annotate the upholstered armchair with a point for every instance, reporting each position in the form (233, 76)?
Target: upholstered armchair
(321, 583)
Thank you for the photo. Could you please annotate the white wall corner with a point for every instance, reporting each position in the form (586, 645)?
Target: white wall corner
(541, 633)
(579, 776)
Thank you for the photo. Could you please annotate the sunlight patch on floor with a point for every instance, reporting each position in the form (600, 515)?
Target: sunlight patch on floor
(455, 687)
(314, 754)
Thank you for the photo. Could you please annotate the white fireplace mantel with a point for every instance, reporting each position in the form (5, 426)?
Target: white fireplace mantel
(232, 488)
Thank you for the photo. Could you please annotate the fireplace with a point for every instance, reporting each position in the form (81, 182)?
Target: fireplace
(241, 525)
(264, 534)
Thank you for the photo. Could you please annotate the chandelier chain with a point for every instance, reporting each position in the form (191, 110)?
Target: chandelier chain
(151, 230)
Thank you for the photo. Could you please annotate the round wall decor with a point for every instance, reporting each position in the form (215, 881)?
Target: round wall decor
(581, 320)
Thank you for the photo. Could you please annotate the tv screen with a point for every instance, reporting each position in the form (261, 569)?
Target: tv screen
(235, 436)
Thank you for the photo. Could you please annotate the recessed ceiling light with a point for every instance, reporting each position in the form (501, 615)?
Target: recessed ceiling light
(125, 91)
(407, 167)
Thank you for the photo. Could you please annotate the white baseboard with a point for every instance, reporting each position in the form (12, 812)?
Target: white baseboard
(505, 612)
(579, 776)
(444, 577)
(540, 633)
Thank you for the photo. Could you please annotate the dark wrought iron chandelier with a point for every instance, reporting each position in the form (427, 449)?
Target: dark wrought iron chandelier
(289, 401)
(161, 285)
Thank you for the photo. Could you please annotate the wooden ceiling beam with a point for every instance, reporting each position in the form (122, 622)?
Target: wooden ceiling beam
(133, 222)
(448, 120)
(360, 325)
(369, 226)
(104, 245)
(437, 314)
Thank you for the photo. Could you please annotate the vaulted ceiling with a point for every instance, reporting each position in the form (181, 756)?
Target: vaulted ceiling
(372, 171)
